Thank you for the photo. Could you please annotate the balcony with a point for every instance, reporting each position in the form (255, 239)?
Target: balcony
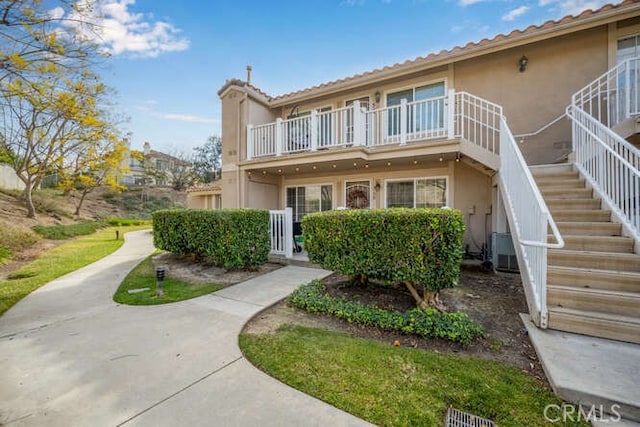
(458, 116)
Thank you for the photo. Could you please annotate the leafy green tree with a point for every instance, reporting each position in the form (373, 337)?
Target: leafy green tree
(207, 160)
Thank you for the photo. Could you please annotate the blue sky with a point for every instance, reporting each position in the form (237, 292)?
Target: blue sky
(169, 57)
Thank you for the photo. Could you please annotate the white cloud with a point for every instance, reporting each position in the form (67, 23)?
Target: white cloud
(56, 13)
(515, 13)
(573, 7)
(469, 2)
(120, 31)
(186, 118)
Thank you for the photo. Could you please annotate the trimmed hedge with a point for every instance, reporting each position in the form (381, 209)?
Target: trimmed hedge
(456, 327)
(62, 232)
(231, 238)
(417, 246)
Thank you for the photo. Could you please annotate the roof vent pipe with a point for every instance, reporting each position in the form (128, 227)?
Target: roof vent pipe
(249, 74)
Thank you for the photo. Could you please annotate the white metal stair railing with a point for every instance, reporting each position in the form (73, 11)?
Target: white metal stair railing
(530, 220)
(609, 163)
(477, 121)
(281, 232)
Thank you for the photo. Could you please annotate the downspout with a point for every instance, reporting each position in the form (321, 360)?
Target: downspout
(239, 186)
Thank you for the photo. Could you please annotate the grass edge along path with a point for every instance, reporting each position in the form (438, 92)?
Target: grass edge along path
(396, 386)
(143, 276)
(63, 259)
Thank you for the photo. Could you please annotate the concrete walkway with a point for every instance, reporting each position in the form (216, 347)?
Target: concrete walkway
(71, 356)
(591, 372)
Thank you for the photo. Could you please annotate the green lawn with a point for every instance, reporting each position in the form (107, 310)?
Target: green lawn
(59, 261)
(396, 386)
(143, 276)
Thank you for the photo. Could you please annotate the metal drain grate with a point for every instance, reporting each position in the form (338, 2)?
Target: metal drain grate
(456, 418)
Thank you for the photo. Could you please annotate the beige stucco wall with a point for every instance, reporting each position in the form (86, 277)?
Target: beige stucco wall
(233, 116)
(556, 69)
(197, 201)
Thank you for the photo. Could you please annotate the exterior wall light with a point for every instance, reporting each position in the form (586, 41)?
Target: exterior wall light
(377, 187)
(522, 63)
(377, 97)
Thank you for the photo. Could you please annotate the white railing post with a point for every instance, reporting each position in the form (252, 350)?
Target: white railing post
(279, 137)
(249, 142)
(451, 114)
(314, 130)
(288, 232)
(403, 121)
(357, 124)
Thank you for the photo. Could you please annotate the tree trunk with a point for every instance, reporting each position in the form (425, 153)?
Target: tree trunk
(429, 300)
(31, 210)
(80, 202)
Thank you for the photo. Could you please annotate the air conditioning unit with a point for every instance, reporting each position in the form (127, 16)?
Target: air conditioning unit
(503, 255)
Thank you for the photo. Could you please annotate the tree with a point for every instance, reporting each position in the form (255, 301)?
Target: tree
(180, 171)
(44, 121)
(96, 164)
(38, 38)
(207, 160)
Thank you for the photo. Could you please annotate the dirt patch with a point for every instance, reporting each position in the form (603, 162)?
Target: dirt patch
(494, 300)
(202, 272)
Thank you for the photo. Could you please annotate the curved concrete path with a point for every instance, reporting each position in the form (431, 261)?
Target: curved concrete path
(71, 356)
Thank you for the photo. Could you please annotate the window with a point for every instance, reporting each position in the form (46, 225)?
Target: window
(417, 193)
(308, 199)
(628, 47)
(420, 116)
(358, 195)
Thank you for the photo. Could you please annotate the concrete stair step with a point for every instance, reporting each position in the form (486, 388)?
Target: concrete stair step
(576, 228)
(594, 300)
(596, 243)
(556, 176)
(611, 326)
(572, 204)
(560, 184)
(581, 215)
(539, 170)
(589, 278)
(561, 193)
(596, 260)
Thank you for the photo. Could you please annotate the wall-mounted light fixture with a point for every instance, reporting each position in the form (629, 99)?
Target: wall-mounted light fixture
(458, 157)
(377, 187)
(377, 97)
(522, 63)
(441, 158)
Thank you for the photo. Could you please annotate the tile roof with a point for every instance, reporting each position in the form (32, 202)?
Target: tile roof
(432, 57)
(204, 187)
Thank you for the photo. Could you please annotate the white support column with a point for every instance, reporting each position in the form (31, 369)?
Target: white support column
(451, 114)
(403, 121)
(288, 232)
(314, 130)
(358, 123)
(249, 142)
(279, 137)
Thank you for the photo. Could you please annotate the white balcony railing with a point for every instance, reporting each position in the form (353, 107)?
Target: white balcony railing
(529, 219)
(610, 163)
(353, 125)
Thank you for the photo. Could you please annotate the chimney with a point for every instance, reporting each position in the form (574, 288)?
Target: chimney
(249, 74)
(146, 148)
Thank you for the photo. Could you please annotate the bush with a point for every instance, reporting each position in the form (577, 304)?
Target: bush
(62, 232)
(124, 222)
(411, 246)
(231, 238)
(15, 239)
(456, 327)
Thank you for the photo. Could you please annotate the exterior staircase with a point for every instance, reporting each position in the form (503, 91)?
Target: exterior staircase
(593, 283)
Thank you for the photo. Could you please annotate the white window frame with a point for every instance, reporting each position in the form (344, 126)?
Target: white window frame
(387, 92)
(286, 188)
(414, 179)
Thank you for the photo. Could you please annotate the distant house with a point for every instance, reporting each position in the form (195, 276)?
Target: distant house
(207, 196)
(151, 167)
